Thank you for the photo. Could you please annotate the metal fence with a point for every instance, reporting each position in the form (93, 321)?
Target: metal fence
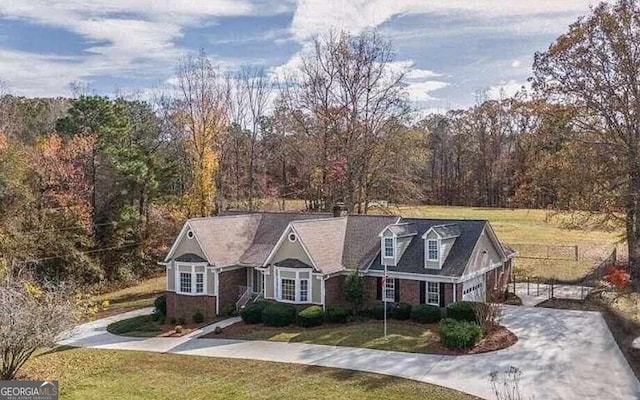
(547, 252)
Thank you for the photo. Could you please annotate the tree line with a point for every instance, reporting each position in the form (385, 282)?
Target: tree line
(94, 188)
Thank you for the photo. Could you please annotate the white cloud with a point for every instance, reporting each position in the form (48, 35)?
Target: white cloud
(516, 64)
(319, 16)
(133, 36)
(506, 89)
(421, 91)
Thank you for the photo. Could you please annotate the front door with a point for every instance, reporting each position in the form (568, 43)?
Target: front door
(256, 281)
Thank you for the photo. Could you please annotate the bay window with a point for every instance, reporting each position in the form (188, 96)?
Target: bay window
(191, 278)
(293, 285)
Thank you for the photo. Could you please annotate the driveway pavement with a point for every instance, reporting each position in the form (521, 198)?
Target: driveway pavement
(563, 354)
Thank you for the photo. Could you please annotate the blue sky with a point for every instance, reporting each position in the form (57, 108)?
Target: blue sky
(456, 48)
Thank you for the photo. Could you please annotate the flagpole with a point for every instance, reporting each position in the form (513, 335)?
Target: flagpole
(384, 299)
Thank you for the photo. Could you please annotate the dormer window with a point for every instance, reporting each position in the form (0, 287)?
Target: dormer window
(432, 250)
(388, 248)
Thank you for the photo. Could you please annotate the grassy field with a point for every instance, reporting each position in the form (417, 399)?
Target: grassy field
(137, 296)
(127, 375)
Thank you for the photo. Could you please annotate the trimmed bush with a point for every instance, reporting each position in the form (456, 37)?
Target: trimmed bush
(426, 314)
(228, 310)
(160, 304)
(459, 335)
(377, 311)
(311, 316)
(463, 310)
(336, 314)
(252, 312)
(182, 321)
(402, 311)
(277, 314)
(198, 317)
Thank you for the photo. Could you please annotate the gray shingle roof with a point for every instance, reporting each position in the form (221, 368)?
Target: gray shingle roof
(324, 240)
(448, 230)
(361, 240)
(412, 260)
(292, 263)
(404, 229)
(190, 257)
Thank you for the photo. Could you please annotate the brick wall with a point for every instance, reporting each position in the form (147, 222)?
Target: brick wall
(409, 291)
(229, 286)
(448, 293)
(370, 291)
(182, 306)
(334, 291)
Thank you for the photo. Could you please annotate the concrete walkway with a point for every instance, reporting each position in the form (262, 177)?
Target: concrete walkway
(563, 354)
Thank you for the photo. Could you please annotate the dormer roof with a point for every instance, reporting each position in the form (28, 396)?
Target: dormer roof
(401, 230)
(444, 231)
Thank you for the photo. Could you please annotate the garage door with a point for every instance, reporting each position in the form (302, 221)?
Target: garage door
(473, 289)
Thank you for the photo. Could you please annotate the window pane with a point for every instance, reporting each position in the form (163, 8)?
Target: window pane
(199, 283)
(433, 249)
(388, 247)
(389, 291)
(433, 292)
(185, 282)
(288, 289)
(304, 290)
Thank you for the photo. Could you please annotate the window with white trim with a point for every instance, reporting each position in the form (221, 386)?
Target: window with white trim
(199, 282)
(390, 289)
(304, 290)
(388, 248)
(433, 293)
(293, 285)
(288, 289)
(185, 282)
(191, 279)
(432, 250)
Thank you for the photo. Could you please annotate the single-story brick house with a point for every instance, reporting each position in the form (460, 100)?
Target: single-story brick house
(303, 258)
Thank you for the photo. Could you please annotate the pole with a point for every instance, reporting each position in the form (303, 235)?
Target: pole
(384, 300)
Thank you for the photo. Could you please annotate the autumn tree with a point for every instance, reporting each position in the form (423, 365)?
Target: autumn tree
(595, 68)
(201, 111)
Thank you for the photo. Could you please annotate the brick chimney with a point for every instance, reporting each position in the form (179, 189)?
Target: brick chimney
(339, 210)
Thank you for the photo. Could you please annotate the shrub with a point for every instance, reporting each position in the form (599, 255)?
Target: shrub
(277, 314)
(160, 304)
(336, 314)
(182, 321)
(252, 312)
(463, 310)
(173, 321)
(354, 290)
(402, 311)
(377, 311)
(310, 316)
(426, 314)
(228, 310)
(459, 334)
(198, 317)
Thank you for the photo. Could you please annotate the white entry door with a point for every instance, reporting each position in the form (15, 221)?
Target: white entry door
(474, 289)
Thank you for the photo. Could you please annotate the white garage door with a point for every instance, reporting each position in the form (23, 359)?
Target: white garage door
(473, 289)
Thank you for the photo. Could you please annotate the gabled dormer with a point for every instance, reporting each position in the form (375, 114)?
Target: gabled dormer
(394, 240)
(438, 241)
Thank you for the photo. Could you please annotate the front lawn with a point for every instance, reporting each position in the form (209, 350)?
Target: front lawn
(138, 296)
(402, 336)
(127, 375)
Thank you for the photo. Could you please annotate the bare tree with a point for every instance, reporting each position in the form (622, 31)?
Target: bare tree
(595, 68)
(31, 318)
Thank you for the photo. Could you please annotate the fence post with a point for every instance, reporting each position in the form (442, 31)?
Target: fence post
(538, 287)
(582, 292)
(577, 256)
(527, 286)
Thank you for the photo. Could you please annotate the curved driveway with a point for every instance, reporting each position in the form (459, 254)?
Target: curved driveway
(563, 355)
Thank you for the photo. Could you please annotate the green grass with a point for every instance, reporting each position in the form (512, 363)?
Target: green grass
(128, 375)
(406, 337)
(137, 296)
(142, 326)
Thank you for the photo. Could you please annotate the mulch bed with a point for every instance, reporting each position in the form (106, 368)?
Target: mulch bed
(498, 338)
